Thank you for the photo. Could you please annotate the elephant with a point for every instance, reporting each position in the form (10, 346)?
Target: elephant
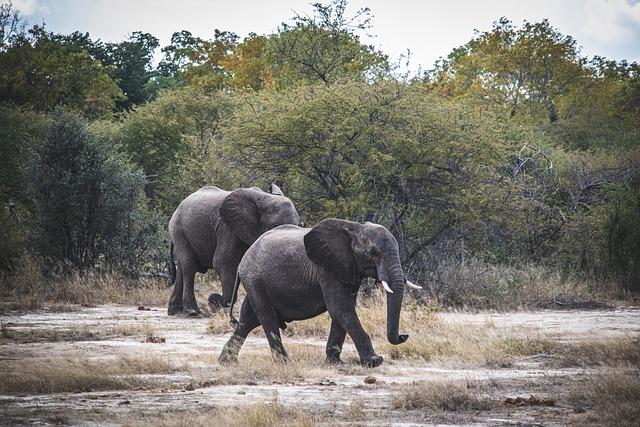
(212, 229)
(292, 273)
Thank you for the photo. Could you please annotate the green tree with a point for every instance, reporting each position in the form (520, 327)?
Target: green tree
(194, 61)
(424, 167)
(248, 65)
(132, 60)
(324, 47)
(86, 196)
(42, 70)
(522, 71)
(175, 139)
(20, 132)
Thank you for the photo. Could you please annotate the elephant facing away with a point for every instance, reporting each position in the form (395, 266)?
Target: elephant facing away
(213, 228)
(292, 273)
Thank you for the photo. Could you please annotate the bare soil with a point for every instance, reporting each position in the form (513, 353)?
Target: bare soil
(92, 337)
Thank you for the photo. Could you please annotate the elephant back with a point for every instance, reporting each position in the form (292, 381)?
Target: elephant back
(275, 249)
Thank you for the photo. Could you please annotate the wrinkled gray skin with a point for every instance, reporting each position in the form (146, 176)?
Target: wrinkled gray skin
(213, 228)
(292, 273)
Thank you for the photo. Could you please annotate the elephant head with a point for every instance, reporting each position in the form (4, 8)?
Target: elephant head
(250, 212)
(350, 251)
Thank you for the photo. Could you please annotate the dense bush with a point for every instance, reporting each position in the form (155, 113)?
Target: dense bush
(20, 132)
(90, 206)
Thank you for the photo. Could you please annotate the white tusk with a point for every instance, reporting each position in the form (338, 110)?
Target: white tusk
(386, 286)
(412, 286)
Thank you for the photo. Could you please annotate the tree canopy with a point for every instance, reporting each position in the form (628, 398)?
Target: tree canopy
(514, 149)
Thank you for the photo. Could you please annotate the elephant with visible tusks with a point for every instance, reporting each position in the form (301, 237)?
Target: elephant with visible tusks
(213, 228)
(292, 273)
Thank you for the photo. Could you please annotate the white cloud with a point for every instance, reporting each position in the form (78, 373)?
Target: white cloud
(612, 20)
(29, 7)
(26, 7)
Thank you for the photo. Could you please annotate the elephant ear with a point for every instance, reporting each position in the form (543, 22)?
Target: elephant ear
(240, 212)
(328, 245)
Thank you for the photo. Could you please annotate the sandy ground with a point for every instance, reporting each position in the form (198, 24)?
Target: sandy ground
(187, 340)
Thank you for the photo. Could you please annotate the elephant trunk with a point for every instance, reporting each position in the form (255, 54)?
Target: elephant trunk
(390, 271)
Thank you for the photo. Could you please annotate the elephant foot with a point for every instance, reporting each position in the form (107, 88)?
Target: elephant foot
(372, 361)
(333, 360)
(279, 358)
(215, 302)
(173, 310)
(191, 312)
(227, 358)
(229, 355)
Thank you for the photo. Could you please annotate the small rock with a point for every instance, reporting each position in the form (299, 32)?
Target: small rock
(189, 387)
(370, 379)
(154, 340)
(88, 305)
(242, 392)
(326, 382)
(143, 308)
(124, 402)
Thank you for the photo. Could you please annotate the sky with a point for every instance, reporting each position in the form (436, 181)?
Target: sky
(428, 29)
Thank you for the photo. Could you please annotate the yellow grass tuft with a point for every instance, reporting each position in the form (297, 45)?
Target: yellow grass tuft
(261, 415)
(80, 374)
(440, 395)
(613, 397)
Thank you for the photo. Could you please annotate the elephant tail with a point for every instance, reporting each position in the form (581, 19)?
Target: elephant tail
(232, 320)
(172, 267)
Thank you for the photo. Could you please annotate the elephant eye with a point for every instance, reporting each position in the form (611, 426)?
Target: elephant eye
(373, 251)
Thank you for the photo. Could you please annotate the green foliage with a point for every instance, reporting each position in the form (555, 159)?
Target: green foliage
(20, 132)
(536, 75)
(622, 234)
(384, 152)
(133, 68)
(514, 150)
(324, 47)
(88, 199)
(521, 71)
(194, 61)
(174, 140)
(42, 70)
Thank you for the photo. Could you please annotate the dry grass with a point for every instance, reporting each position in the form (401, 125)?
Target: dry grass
(31, 290)
(218, 323)
(613, 352)
(613, 397)
(434, 340)
(254, 367)
(9, 334)
(441, 396)
(261, 415)
(476, 284)
(80, 374)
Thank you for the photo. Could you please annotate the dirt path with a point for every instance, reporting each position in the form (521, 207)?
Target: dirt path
(110, 332)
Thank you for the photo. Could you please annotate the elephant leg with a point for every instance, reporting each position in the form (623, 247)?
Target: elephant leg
(189, 303)
(341, 307)
(335, 342)
(187, 268)
(269, 320)
(227, 276)
(228, 255)
(175, 302)
(247, 323)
